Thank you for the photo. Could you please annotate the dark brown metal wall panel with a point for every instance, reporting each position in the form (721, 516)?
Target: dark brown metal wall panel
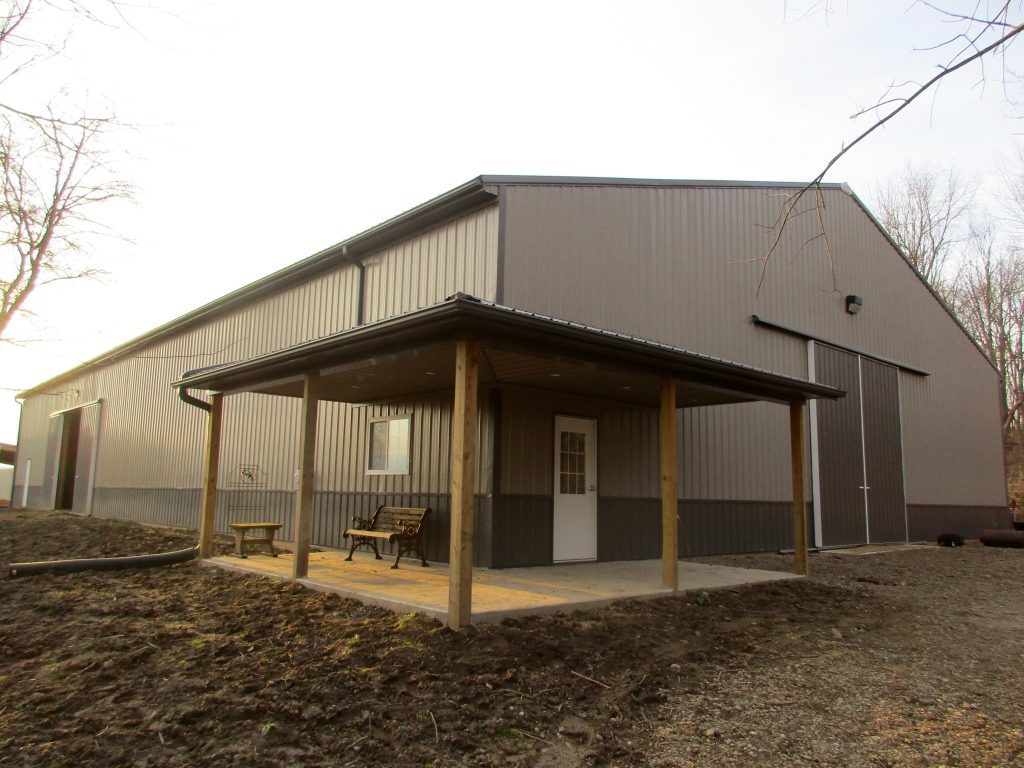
(929, 520)
(883, 452)
(713, 527)
(522, 532)
(840, 456)
(628, 529)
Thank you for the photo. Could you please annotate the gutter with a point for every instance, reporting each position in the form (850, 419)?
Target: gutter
(187, 397)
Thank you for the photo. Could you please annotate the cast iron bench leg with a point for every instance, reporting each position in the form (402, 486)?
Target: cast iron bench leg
(362, 541)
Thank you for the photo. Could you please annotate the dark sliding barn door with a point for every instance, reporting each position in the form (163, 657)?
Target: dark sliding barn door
(860, 458)
(883, 450)
(840, 455)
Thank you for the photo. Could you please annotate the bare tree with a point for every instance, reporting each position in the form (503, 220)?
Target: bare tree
(978, 36)
(924, 209)
(989, 299)
(48, 188)
(53, 167)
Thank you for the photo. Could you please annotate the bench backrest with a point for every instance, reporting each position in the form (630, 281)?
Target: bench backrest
(394, 519)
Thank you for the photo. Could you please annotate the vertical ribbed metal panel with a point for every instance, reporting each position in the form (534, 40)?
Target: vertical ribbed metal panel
(736, 452)
(672, 265)
(342, 449)
(152, 441)
(681, 265)
(88, 433)
(840, 450)
(726, 452)
(883, 454)
(35, 412)
(461, 255)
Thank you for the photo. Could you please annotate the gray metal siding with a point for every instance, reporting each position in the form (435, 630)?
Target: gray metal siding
(422, 271)
(671, 265)
(681, 266)
(151, 440)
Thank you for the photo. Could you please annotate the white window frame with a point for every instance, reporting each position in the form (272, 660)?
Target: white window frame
(408, 445)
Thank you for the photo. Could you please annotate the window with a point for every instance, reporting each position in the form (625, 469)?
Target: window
(572, 472)
(389, 446)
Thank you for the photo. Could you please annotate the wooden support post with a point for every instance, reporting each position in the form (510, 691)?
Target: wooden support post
(669, 486)
(307, 477)
(463, 479)
(796, 444)
(208, 515)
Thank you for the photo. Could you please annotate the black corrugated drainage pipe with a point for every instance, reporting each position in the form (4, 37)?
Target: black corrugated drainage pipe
(1003, 538)
(102, 563)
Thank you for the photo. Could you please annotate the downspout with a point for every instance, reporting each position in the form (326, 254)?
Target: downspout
(360, 293)
(186, 397)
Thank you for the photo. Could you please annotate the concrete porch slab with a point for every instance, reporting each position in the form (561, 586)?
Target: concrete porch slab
(877, 549)
(497, 594)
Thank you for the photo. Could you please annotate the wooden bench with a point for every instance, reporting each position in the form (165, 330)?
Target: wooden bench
(241, 529)
(403, 525)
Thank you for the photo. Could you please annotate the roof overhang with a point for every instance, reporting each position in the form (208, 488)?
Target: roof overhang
(413, 354)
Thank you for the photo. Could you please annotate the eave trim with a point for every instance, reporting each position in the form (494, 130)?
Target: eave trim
(463, 316)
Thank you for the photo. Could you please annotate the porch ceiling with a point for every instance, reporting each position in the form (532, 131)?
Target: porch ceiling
(414, 354)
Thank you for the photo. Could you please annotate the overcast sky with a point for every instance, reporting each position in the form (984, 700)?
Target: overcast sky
(268, 131)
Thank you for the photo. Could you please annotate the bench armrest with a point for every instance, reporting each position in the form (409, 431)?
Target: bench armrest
(409, 527)
(361, 523)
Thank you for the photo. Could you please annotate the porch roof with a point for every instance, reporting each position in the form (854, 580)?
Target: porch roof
(414, 353)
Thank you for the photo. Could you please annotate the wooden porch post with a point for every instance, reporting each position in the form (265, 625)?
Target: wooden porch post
(669, 486)
(208, 515)
(796, 444)
(307, 477)
(463, 480)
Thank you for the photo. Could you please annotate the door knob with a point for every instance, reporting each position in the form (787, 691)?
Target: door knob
(591, 487)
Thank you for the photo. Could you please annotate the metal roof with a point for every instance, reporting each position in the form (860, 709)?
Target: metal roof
(429, 332)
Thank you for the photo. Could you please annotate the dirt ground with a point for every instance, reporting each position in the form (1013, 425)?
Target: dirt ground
(907, 658)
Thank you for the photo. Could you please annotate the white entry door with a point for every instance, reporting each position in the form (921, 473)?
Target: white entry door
(575, 523)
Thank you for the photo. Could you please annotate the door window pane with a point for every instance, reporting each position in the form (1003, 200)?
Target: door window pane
(572, 463)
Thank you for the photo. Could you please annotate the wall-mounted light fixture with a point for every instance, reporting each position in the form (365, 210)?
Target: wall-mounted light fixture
(854, 304)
